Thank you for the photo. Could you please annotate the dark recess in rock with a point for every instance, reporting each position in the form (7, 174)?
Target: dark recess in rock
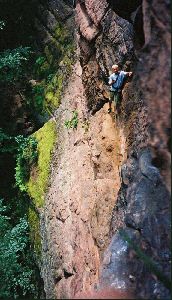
(98, 106)
(124, 8)
(137, 20)
(67, 274)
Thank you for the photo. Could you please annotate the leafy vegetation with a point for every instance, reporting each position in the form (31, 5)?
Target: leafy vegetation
(7, 143)
(25, 150)
(26, 156)
(47, 94)
(19, 222)
(33, 153)
(39, 97)
(2, 24)
(17, 270)
(73, 122)
(38, 79)
(12, 63)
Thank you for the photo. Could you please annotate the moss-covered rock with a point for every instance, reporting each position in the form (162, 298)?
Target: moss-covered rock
(53, 92)
(34, 225)
(53, 69)
(48, 54)
(38, 180)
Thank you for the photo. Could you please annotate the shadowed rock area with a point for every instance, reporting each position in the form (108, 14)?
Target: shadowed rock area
(147, 224)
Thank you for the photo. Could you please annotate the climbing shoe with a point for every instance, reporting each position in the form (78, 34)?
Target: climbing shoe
(109, 110)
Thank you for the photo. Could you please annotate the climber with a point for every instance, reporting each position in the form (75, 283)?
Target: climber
(116, 82)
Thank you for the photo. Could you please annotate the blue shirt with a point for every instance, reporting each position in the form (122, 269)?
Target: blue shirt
(119, 82)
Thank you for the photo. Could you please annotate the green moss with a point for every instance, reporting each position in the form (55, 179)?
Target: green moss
(38, 180)
(53, 92)
(61, 33)
(53, 70)
(44, 69)
(58, 92)
(48, 54)
(35, 236)
(57, 45)
(49, 96)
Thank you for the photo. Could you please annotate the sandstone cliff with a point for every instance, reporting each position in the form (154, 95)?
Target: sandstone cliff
(108, 174)
(101, 221)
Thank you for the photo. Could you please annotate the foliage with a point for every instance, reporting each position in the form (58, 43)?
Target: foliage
(33, 154)
(25, 149)
(37, 183)
(3, 219)
(28, 151)
(12, 63)
(26, 157)
(40, 60)
(2, 25)
(53, 92)
(50, 77)
(16, 268)
(42, 68)
(73, 122)
(46, 95)
(7, 142)
(38, 96)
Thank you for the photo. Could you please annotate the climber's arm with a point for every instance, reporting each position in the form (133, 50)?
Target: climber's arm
(129, 74)
(111, 81)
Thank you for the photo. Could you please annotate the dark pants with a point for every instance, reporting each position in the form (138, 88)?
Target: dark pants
(116, 97)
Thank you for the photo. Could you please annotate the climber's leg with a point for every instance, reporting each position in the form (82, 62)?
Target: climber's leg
(115, 103)
(111, 98)
(118, 102)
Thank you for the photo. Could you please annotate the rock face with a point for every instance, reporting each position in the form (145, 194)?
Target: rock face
(147, 224)
(108, 40)
(49, 16)
(155, 56)
(76, 219)
(109, 174)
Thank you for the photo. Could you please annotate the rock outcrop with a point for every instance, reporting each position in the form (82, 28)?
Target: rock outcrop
(106, 174)
(85, 181)
(110, 42)
(49, 14)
